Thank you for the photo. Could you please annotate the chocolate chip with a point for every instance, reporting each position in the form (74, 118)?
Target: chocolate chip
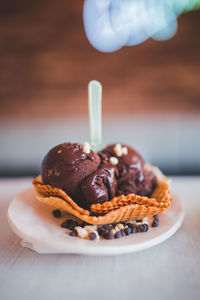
(156, 217)
(127, 231)
(155, 223)
(100, 230)
(105, 226)
(92, 236)
(105, 232)
(66, 223)
(139, 220)
(109, 236)
(108, 226)
(56, 213)
(118, 234)
(134, 228)
(73, 233)
(122, 232)
(72, 225)
(143, 227)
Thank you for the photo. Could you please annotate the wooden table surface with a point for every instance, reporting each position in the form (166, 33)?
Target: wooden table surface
(170, 270)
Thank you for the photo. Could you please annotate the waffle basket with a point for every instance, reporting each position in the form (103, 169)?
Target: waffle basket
(119, 209)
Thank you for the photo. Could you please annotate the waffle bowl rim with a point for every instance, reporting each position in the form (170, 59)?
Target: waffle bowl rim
(119, 213)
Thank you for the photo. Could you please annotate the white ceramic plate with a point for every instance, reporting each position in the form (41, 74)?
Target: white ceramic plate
(33, 222)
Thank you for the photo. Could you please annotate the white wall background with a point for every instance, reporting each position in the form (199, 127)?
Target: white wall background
(169, 141)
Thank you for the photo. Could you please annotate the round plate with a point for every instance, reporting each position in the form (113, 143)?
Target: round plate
(34, 223)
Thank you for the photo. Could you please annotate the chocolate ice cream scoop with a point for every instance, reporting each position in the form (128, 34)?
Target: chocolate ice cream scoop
(66, 166)
(129, 160)
(131, 185)
(147, 185)
(132, 178)
(101, 185)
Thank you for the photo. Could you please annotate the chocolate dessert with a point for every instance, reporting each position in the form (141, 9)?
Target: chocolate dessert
(89, 177)
(112, 193)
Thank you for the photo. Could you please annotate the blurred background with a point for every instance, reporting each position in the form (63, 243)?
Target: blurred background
(151, 91)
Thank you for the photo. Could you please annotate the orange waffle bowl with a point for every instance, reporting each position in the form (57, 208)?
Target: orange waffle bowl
(119, 209)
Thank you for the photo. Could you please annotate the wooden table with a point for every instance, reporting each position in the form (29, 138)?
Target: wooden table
(168, 271)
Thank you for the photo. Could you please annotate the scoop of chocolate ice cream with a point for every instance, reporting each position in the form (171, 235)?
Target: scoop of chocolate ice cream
(128, 162)
(66, 166)
(147, 185)
(101, 185)
(130, 165)
(131, 175)
(131, 185)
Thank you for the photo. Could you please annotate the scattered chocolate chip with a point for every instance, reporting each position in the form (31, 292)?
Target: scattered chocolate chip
(108, 227)
(147, 227)
(72, 225)
(56, 213)
(122, 232)
(66, 223)
(105, 226)
(127, 231)
(155, 223)
(100, 230)
(105, 232)
(73, 233)
(134, 228)
(139, 220)
(109, 236)
(118, 234)
(156, 217)
(92, 236)
(143, 227)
